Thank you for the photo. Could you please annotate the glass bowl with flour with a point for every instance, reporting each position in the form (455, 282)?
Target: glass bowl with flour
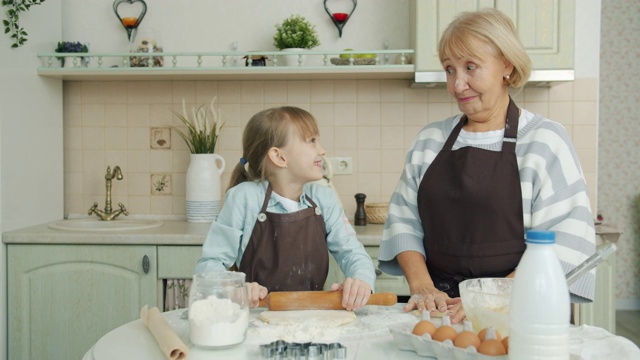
(218, 309)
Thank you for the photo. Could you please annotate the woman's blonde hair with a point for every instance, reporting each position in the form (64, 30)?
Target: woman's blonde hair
(266, 129)
(491, 26)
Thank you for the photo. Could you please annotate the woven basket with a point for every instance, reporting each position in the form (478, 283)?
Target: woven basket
(377, 212)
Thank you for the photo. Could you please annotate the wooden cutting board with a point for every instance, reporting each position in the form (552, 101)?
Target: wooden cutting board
(318, 300)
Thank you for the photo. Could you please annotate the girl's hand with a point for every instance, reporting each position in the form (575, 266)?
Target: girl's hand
(355, 293)
(256, 292)
(428, 298)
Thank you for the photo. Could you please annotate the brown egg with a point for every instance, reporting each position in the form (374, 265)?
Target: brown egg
(505, 343)
(445, 332)
(424, 327)
(492, 347)
(466, 339)
(483, 332)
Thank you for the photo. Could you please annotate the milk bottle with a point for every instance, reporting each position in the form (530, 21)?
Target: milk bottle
(540, 307)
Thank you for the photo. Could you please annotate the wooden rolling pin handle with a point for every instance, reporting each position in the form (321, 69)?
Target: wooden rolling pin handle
(264, 302)
(386, 299)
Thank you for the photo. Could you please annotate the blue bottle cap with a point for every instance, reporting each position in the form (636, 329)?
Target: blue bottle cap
(541, 237)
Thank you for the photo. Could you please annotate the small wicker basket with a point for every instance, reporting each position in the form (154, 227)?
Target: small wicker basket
(377, 212)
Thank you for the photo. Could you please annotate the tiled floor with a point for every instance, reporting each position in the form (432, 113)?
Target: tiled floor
(628, 325)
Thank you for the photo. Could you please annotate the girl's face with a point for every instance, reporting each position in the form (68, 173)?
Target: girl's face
(477, 84)
(304, 157)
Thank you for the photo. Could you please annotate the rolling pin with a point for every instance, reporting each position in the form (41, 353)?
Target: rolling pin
(318, 300)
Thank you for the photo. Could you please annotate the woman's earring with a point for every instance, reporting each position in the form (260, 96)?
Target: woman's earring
(506, 77)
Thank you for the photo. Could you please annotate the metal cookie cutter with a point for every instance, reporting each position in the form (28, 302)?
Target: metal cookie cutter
(281, 349)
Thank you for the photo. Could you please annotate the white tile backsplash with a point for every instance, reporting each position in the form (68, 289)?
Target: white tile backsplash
(372, 121)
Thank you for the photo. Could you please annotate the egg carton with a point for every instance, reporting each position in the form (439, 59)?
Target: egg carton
(425, 346)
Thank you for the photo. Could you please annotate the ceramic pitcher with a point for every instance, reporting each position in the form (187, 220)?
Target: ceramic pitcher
(203, 190)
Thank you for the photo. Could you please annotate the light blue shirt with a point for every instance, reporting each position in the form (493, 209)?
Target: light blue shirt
(230, 233)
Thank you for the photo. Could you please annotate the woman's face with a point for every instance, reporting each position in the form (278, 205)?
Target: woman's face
(477, 84)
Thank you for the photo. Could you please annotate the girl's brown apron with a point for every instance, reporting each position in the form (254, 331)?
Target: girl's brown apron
(470, 205)
(287, 252)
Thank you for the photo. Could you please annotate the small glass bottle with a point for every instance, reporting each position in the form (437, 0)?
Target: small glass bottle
(539, 312)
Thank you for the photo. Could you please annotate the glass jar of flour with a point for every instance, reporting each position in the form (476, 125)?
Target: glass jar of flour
(218, 309)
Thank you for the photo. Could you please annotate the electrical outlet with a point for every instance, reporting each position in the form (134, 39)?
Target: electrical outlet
(342, 165)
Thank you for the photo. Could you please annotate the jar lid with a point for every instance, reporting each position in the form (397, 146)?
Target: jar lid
(541, 237)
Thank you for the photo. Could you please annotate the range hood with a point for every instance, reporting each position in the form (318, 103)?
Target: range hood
(544, 78)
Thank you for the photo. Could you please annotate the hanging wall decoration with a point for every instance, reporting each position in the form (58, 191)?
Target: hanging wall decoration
(340, 18)
(129, 22)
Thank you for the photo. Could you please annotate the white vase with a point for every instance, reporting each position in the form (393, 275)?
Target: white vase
(203, 190)
(294, 59)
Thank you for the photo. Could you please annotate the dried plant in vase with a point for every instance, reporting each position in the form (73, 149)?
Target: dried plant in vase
(203, 127)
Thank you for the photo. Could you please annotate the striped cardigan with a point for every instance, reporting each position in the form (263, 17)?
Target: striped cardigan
(554, 192)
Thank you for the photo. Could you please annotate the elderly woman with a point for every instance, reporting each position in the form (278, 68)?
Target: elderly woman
(475, 182)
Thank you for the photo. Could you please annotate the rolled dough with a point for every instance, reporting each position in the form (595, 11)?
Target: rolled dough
(327, 318)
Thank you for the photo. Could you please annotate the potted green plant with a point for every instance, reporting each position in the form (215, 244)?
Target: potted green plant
(295, 33)
(70, 47)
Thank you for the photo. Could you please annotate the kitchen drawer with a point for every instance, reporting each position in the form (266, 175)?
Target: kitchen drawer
(385, 282)
(178, 262)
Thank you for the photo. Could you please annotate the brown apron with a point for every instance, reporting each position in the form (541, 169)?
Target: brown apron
(287, 252)
(470, 205)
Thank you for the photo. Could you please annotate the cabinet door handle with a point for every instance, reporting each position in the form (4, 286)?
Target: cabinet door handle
(378, 272)
(145, 264)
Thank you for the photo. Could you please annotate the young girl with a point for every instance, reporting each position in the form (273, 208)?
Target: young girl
(276, 225)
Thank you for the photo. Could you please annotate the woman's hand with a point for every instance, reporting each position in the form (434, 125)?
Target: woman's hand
(355, 293)
(428, 298)
(455, 310)
(255, 293)
(434, 300)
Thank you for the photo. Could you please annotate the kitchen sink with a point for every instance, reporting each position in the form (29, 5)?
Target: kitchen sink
(91, 224)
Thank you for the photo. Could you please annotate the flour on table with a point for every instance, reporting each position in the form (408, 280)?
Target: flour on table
(304, 325)
(327, 318)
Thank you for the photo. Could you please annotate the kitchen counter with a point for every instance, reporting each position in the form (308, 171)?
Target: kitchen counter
(172, 232)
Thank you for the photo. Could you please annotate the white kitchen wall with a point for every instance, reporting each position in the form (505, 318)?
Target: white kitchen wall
(213, 25)
(31, 155)
(619, 144)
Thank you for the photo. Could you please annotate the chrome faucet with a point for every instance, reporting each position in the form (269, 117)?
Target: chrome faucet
(107, 214)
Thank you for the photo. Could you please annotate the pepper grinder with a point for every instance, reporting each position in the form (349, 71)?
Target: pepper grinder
(360, 217)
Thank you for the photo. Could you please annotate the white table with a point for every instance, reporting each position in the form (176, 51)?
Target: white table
(365, 339)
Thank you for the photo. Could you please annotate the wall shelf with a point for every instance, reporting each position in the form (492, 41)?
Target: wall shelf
(387, 64)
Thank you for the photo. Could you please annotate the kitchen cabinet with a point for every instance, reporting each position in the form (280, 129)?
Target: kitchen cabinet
(546, 29)
(63, 298)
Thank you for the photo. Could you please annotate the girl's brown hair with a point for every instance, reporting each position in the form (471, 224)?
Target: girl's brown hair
(266, 129)
(464, 36)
